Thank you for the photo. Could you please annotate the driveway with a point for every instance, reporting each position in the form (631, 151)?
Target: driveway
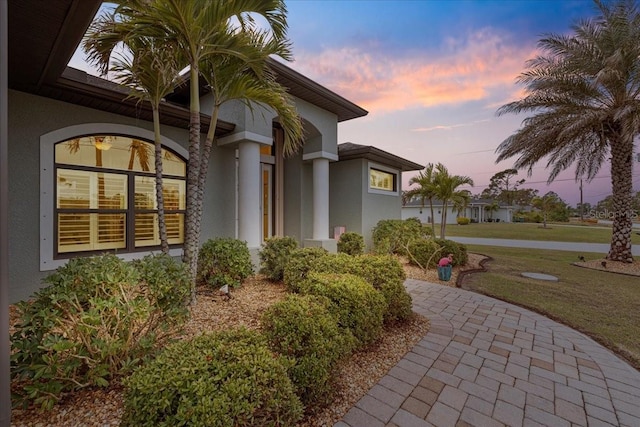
(602, 248)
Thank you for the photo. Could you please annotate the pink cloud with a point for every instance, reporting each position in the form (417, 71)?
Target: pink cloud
(472, 69)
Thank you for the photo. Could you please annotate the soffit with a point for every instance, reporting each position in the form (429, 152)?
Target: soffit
(349, 151)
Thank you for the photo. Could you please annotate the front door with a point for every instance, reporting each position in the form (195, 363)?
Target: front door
(266, 203)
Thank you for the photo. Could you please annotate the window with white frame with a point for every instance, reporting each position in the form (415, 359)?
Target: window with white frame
(105, 197)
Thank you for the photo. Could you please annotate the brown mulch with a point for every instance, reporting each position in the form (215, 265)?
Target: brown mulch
(214, 311)
(602, 264)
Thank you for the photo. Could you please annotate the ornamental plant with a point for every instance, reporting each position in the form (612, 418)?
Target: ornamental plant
(356, 305)
(224, 261)
(274, 256)
(225, 379)
(96, 320)
(351, 243)
(301, 328)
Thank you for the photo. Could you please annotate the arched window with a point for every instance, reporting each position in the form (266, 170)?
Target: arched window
(105, 195)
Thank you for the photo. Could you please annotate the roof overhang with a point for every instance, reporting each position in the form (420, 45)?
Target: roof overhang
(349, 151)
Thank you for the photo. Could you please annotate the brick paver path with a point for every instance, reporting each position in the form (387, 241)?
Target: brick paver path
(485, 362)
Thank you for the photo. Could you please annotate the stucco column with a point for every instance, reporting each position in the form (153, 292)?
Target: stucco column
(320, 198)
(249, 193)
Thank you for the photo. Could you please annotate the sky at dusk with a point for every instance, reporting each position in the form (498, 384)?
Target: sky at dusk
(432, 75)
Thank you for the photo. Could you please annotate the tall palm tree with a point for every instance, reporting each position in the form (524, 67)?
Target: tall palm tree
(200, 30)
(446, 189)
(151, 71)
(425, 190)
(584, 91)
(249, 80)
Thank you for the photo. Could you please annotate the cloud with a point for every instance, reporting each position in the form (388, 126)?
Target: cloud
(470, 69)
(449, 127)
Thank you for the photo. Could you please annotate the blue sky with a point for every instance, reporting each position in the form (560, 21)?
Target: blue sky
(432, 74)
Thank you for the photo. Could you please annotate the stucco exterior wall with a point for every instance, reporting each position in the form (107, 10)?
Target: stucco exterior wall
(345, 195)
(298, 198)
(376, 206)
(30, 117)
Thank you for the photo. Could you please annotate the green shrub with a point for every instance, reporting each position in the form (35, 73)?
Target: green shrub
(301, 328)
(230, 378)
(425, 253)
(355, 303)
(461, 220)
(224, 261)
(97, 318)
(275, 254)
(459, 251)
(351, 243)
(300, 263)
(395, 235)
(386, 274)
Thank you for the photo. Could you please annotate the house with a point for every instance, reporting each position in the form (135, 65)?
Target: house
(75, 136)
(478, 210)
(80, 179)
(365, 187)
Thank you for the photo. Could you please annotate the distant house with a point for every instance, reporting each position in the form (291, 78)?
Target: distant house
(365, 187)
(80, 184)
(478, 211)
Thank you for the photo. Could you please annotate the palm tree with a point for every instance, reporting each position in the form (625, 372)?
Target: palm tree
(461, 201)
(446, 189)
(492, 208)
(151, 71)
(250, 81)
(199, 30)
(425, 190)
(584, 91)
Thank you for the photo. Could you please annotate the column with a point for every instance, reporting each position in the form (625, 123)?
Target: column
(320, 199)
(249, 220)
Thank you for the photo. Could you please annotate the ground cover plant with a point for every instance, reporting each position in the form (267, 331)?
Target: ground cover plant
(527, 231)
(601, 304)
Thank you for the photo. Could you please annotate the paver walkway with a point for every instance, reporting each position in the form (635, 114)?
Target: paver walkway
(485, 362)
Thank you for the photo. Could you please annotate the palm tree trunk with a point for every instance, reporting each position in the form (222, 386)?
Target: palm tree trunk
(433, 219)
(192, 232)
(204, 161)
(443, 219)
(162, 225)
(621, 181)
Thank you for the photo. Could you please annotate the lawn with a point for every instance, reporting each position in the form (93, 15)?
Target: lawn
(602, 305)
(531, 231)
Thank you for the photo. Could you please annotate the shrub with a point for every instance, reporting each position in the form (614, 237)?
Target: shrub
(425, 253)
(459, 251)
(97, 318)
(275, 254)
(301, 328)
(224, 261)
(462, 220)
(386, 274)
(351, 243)
(355, 303)
(300, 263)
(395, 235)
(229, 378)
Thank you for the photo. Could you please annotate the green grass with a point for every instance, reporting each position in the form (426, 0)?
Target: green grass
(602, 305)
(528, 231)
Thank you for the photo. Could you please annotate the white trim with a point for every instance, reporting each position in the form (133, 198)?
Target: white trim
(47, 181)
(247, 137)
(321, 155)
(378, 166)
